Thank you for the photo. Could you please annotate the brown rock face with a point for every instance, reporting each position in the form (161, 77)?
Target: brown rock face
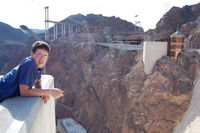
(191, 31)
(186, 19)
(107, 91)
(163, 99)
(94, 79)
(189, 62)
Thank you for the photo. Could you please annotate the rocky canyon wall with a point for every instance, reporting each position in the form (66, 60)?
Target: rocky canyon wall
(186, 19)
(107, 91)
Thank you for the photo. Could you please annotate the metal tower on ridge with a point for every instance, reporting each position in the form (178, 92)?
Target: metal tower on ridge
(63, 26)
(46, 23)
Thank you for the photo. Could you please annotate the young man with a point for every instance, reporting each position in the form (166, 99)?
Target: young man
(20, 80)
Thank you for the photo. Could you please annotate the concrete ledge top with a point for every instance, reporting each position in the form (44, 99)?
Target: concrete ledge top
(17, 114)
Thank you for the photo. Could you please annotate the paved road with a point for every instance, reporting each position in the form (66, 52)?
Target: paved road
(122, 46)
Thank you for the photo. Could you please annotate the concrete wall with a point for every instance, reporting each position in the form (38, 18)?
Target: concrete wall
(152, 51)
(28, 114)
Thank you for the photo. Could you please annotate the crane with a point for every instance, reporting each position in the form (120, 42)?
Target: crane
(24, 27)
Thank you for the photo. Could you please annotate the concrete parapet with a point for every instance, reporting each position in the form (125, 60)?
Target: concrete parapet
(152, 51)
(28, 114)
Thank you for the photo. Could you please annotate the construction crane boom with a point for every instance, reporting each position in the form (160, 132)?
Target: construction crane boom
(30, 32)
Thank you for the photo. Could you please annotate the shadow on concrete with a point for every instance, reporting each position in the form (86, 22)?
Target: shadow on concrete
(17, 114)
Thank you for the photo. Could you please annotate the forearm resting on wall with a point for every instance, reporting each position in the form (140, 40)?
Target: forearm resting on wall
(27, 91)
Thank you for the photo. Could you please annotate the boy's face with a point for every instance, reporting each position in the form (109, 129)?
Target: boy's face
(40, 56)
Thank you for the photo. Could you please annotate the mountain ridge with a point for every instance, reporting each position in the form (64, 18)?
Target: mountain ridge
(8, 34)
(186, 19)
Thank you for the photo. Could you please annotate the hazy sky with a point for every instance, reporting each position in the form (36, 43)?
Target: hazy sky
(32, 13)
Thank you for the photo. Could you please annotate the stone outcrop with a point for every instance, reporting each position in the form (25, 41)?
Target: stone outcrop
(106, 90)
(191, 31)
(164, 98)
(109, 92)
(186, 19)
(96, 81)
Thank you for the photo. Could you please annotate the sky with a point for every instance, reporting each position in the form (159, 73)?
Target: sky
(32, 13)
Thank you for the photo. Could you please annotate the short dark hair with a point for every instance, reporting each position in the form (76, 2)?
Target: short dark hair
(40, 45)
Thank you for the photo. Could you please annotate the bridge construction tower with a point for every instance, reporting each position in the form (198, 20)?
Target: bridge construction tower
(46, 23)
(63, 26)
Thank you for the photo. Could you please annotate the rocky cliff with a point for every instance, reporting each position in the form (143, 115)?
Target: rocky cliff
(186, 19)
(191, 31)
(106, 90)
